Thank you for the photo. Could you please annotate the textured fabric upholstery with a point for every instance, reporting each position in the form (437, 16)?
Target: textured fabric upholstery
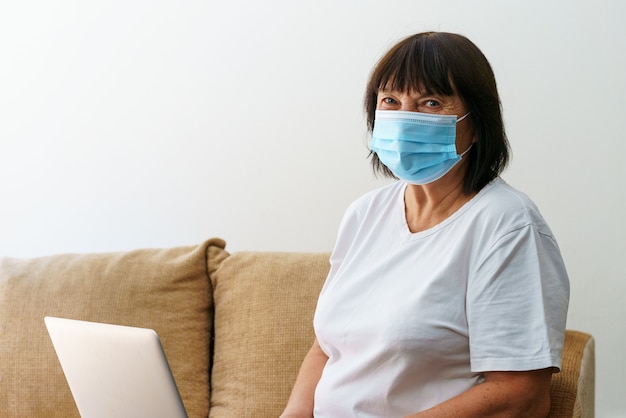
(264, 305)
(573, 389)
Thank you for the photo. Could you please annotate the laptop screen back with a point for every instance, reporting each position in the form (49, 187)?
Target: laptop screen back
(114, 370)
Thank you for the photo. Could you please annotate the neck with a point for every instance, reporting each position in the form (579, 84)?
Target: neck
(428, 205)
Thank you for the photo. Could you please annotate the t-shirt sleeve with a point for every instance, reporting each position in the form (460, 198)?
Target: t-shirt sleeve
(517, 301)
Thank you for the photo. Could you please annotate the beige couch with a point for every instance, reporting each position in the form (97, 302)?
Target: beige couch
(235, 327)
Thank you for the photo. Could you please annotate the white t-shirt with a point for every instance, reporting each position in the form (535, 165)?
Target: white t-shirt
(409, 320)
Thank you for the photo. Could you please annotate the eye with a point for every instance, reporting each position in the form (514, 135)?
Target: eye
(429, 105)
(387, 103)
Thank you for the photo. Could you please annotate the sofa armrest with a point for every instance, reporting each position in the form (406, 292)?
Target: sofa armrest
(573, 389)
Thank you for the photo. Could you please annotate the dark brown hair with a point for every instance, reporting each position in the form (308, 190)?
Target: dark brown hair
(447, 64)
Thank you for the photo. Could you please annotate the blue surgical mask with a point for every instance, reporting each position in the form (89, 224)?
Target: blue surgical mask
(418, 148)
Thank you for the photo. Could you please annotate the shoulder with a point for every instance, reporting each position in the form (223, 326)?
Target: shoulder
(504, 206)
(370, 211)
(500, 194)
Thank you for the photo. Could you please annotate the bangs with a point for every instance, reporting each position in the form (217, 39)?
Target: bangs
(417, 65)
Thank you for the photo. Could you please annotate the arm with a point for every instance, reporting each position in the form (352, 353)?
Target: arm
(300, 403)
(502, 394)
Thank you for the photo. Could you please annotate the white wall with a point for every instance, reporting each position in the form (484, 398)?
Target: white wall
(146, 123)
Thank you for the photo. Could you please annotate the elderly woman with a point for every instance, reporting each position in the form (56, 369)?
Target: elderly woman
(447, 294)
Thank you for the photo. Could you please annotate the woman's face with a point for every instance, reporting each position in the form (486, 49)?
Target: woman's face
(416, 101)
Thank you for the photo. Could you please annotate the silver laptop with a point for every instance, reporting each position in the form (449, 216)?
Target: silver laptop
(115, 371)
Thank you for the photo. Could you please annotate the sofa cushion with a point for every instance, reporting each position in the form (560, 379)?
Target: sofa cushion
(163, 289)
(264, 304)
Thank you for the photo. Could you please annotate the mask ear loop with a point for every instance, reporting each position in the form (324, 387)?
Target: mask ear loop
(473, 142)
(467, 150)
(463, 117)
